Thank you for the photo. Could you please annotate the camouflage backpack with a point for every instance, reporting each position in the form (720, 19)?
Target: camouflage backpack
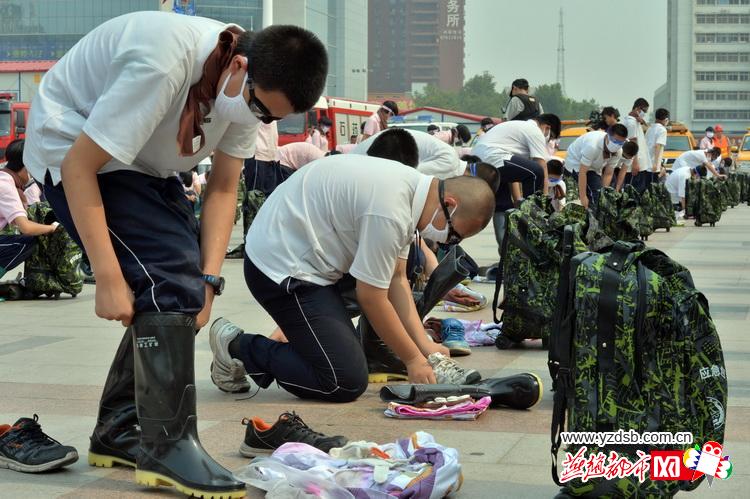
(530, 265)
(707, 202)
(733, 188)
(634, 348)
(619, 216)
(53, 267)
(723, 192)
(662, 211)
(642, 213)
(571, 187)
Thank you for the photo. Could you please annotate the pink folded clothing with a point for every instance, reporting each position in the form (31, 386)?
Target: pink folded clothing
(468, 411)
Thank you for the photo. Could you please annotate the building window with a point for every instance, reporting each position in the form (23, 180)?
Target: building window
(729, 95)
(721, 114)
(722, 18)
(722, 57)
(723, 2)
(722, 75)
(722, 37)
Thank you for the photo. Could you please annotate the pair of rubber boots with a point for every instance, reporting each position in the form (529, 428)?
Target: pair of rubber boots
(151, 385)
(384, 365)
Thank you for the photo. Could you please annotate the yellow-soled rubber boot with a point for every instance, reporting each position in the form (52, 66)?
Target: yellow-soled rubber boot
(170, 452)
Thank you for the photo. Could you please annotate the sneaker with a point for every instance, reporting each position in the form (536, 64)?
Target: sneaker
(448, 372)
(452, 333)
(262, 438)
(228, 374)
(25, 447)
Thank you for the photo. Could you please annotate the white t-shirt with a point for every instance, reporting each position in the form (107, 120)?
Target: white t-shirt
(656, 134)
(635, 131)
(675, 183)
(690, 159)
(588, 150)
(373, 124)
(511, 138)
(125, 85)
(11, 206)
(339, 214)
(267, 142)
(297, 154)
(436, 158)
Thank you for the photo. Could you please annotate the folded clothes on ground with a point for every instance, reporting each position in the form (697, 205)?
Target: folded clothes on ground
(416, 467)
(466, 410)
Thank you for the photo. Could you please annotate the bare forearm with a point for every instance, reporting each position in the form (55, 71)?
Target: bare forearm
(621, 177)
(543, 164)
(79, 177)
(29, 228)
(219, 205)
(607, 177)
(658, 152)
(400, 296)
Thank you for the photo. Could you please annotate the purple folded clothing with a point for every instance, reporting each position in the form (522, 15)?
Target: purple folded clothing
(469, 410)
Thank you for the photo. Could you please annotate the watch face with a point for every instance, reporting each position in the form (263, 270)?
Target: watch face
(221, 286)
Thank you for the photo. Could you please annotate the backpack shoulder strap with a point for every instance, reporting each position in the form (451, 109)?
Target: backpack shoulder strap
(501, 263)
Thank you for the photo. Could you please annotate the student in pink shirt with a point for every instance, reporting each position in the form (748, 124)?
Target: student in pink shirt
(319, 135)
(16, 248)
(298, 154)
(378, 121)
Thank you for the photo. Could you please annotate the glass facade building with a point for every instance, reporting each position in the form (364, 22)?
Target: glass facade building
(46, 29)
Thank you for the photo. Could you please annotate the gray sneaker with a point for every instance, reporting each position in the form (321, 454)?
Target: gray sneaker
(228, 374)
(448, 372)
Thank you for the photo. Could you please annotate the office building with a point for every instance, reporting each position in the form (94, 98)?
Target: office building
(708, 64)
(414, 43)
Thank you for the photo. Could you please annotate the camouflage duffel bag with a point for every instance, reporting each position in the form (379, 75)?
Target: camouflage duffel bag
(53, 267)
(633, 347)
(662, 210)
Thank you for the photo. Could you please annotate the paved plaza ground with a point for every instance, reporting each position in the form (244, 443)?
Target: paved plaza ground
(54, 357)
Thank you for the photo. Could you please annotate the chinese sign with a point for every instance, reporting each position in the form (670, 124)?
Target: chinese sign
(452, 28)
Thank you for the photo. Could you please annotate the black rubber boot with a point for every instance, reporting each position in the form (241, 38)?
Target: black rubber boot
(171, 453)
(383, 365)
(450, 271)
(116, 437)
(520, 391)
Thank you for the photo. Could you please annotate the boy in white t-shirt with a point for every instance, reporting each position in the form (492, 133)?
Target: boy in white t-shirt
(656, 138)
(184, 87)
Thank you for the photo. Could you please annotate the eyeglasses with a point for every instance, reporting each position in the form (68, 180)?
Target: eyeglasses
(453, 236)
(257, 107)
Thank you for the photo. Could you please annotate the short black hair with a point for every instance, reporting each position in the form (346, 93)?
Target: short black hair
(522, 83)
(552, 121)
(289, 59)
(640, 103)
(395, 144)
(392, 106)
(432, 127)
(325, 120)
(727, 162)
(489, 174)
(715, 152)
(630, 149)
(555, 166)
(618, 129)
(701, 170)
(661, 114)
(611, 111)
(486, 121)
(14, 155)
(333, 152)
(463, 133)
(710, 129)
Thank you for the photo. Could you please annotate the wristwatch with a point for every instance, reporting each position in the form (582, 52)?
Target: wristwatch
(216, 281)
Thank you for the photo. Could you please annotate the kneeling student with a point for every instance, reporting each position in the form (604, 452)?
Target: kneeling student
(676, 184)
(344, 214)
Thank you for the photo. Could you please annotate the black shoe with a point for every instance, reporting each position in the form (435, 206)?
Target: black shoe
(237, 253)
(170, 451)
(116, 438)
(520, 391)
(25, 447)
(262, 438)
(383, 365)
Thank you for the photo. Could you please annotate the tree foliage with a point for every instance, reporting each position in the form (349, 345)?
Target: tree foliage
(479, 95)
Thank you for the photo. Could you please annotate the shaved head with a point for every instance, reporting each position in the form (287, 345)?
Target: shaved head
(475, 203)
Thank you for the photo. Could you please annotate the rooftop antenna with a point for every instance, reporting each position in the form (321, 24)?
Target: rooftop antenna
(561, 53)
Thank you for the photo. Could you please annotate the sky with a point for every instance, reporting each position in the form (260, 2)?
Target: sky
(615, 51)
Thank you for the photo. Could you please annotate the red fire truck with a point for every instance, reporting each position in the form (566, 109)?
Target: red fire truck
(13, 116)
(346, 116)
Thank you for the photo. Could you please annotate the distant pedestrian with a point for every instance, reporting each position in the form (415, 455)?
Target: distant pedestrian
(521, 105)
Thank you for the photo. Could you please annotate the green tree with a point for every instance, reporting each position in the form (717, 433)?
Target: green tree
(479, 95)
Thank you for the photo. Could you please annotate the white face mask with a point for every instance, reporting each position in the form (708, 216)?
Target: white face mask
(641, 114)
(234, 109)
(324, 129)
(434, 234)
(612, 147)
(710, 135)
(547, 135)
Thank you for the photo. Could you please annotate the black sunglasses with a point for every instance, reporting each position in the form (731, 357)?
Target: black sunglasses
(453, 236)
(257, 107)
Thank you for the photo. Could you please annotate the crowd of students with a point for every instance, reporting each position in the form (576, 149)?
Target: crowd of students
(345, 219)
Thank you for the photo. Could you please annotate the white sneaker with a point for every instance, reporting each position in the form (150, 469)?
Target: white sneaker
(448, 372)
(228, 374)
